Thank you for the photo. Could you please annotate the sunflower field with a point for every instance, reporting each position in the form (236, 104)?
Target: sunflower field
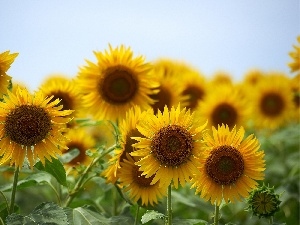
(129, 141)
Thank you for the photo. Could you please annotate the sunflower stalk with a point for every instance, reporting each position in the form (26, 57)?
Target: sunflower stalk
(81, 180)
(169, 206)
(14, 190)
(136, 215)
(216, 217)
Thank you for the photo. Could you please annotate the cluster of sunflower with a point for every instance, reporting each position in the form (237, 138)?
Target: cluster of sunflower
(175, 126)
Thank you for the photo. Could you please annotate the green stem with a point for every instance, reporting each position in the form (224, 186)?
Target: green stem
(216, 218)
(136, 215)
(81, 180)
(13, 192)
(169, 206)
(271, 220)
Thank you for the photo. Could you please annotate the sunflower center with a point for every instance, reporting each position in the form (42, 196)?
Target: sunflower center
(140, 179)
(81, 156)
(65, 100)
(224, 113)
(162, 99)
(27, 125)
(118, 86)
(172, 145)
(272, 104)
(224, 165)
(195, 94)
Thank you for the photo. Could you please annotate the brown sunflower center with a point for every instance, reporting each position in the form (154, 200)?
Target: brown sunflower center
(119, 86)
(224, 113)
(140, 179)
(27, 125)
(81, 156)
(172, 145)
(224, 165)
(162, 99)
(195, 94)
(272, 104)
(65, 99)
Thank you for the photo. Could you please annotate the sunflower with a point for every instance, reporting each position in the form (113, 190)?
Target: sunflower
(127, 130)
(272, 101)
(6, 59)
(221, 77)
(253, 76)
(295, 87)
(170, 88)
(229, 165)
(115, 83)
(78, 139)
(64, 89)
(170, 147)
(32, 127)
(194, 87)
(139, 186)
(225, 104)
(295, 55)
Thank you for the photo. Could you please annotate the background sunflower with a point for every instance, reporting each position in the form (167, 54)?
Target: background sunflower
(115, 83)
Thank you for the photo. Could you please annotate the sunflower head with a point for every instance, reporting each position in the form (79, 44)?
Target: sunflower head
(6, 59)
(115, 83)
(194, 87)
(252, 77)
(31, 127)
(78, 139)
(295, 55)
(224, 105)
(170, 147)
(263, 201)
(138, 185)
(127, 130)
(229, 165)
(272, 101)
(170, 92)
(64, 89)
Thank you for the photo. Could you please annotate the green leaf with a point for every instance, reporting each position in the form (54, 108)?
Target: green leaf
(151, 215)
(189, 222)
(55, 168)
(32, 180)
(85, 216)
(45, 213)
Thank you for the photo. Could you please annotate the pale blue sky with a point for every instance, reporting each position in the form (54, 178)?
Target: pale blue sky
(233, 36)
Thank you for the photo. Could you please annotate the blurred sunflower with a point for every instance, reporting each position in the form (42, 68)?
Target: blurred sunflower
(170, 147)
(229, 166)
(221, 77)
(65, 90)
(224, 105)
(127, 130)
(295, 55)
(31, 126)
(139, 186)
(272, 101)
(194, 87)
(116, 83)
(168, 82)
(295, 86)
(253, 76)
(6, 59)
(78, 139)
